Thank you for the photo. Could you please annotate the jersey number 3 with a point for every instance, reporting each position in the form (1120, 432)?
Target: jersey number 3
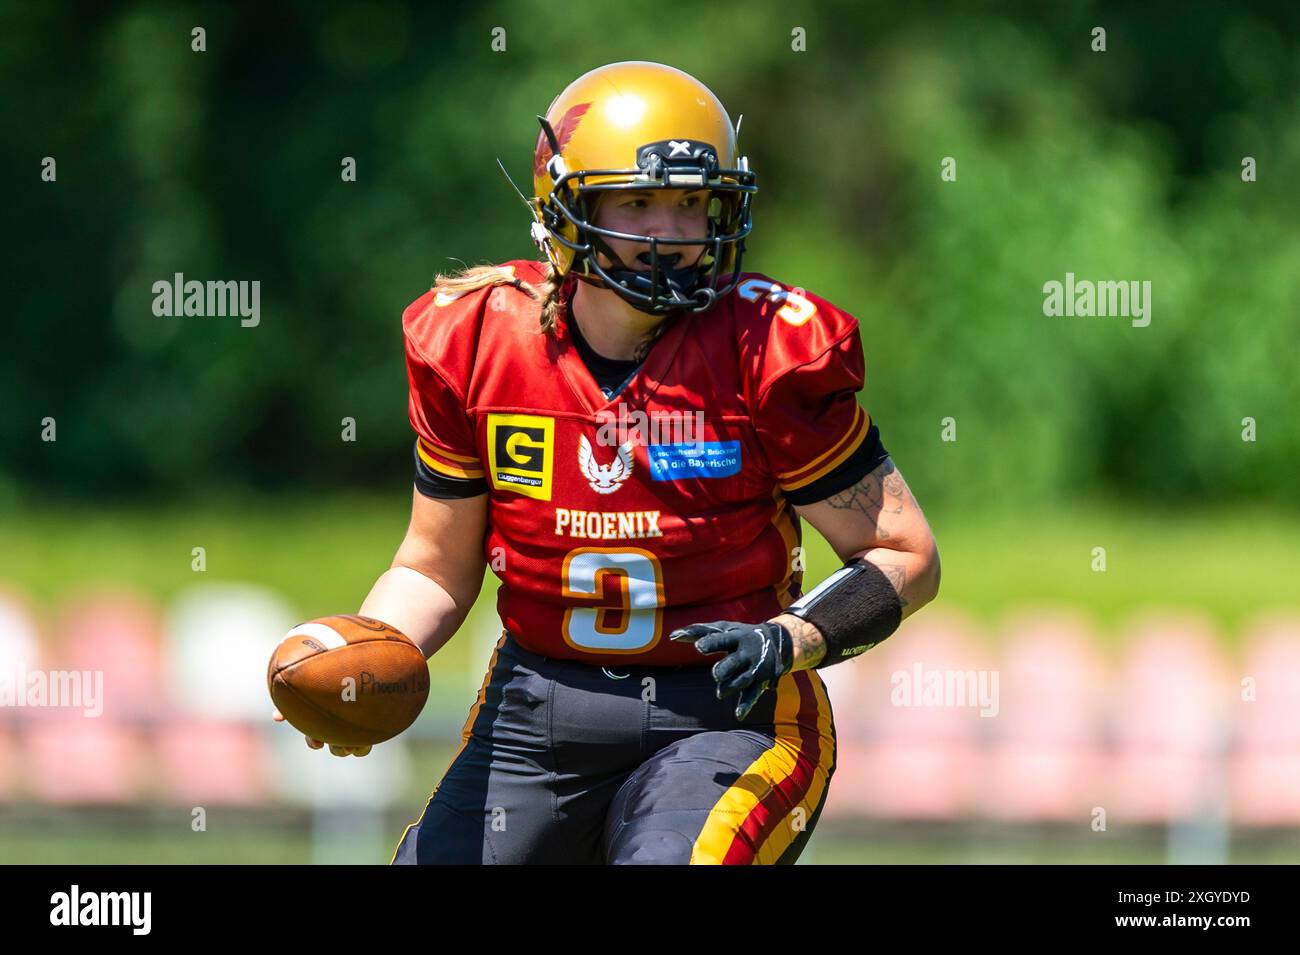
(623, 590)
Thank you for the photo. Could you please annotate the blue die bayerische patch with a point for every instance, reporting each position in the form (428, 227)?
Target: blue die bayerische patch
(703, 459)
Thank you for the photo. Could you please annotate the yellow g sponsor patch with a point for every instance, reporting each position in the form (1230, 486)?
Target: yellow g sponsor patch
(521, 453)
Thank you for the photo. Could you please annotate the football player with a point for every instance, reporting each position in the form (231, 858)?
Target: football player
(628, 432)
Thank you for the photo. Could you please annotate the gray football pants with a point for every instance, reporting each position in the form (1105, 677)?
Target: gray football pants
(566, 762)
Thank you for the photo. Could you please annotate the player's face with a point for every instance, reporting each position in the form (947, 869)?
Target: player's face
(662, 213)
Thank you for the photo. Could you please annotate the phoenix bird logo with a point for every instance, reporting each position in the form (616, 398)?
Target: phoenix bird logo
(605, 478)
(563, 132)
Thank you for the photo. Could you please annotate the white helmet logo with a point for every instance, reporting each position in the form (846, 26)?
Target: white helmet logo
(678, 147)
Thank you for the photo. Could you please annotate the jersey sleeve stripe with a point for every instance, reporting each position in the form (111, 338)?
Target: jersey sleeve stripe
(439, 461)
(858, 415)
(469, 459)
(837, 455)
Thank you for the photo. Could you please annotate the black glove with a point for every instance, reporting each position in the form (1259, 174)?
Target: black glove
(760, 654)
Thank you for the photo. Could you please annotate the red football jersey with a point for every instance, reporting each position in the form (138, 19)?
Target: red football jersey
(612, 522)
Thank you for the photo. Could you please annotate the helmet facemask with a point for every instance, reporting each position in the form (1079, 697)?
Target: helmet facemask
(668, 164)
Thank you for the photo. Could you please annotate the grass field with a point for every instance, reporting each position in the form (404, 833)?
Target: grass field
(141, 837)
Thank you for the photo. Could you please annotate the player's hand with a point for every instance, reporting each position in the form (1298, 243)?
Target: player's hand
(317, 744)
(758, 654)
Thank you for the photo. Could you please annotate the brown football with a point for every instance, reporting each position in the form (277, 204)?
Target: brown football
(348, 680)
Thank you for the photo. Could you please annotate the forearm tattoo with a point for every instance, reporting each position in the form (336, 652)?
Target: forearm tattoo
(809, 644)
(897, 575)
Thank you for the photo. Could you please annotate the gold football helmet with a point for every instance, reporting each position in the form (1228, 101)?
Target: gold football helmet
(640, 125)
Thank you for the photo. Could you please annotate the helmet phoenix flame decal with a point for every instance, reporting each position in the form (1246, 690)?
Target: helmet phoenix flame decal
(564, 129)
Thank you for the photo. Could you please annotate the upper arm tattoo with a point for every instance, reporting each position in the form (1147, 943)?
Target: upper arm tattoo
(877, 496)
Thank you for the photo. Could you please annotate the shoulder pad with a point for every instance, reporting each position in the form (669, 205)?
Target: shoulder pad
(761, 300)
(781, 327)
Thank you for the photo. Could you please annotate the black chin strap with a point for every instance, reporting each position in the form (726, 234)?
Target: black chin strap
(673, 282)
